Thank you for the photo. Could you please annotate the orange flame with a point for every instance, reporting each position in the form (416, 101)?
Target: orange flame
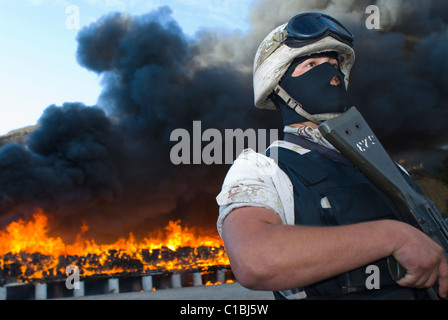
(175, 248)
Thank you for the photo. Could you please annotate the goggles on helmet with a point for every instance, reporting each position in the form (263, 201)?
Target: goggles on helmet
(307, 28)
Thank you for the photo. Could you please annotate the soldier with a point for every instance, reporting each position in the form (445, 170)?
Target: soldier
(306, 223)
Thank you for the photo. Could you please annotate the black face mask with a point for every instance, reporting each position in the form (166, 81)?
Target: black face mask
(314, 91)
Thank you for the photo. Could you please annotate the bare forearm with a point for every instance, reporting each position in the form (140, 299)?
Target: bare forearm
(283, 257)
(302, 256)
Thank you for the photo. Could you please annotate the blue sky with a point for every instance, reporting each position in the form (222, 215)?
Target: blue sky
(38, 66)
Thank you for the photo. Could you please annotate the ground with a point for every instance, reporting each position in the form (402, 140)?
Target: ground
(229, 291)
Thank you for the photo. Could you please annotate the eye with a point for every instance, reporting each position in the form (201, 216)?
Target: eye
(311, 64)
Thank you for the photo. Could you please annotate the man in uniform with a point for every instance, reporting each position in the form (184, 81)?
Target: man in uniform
(300, 219)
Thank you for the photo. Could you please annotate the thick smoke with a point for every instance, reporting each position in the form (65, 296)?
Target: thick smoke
(75, 149)
(110, 164)
(399, 80)
(155, 81)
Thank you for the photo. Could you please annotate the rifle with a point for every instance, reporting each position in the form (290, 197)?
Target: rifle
(353, 137)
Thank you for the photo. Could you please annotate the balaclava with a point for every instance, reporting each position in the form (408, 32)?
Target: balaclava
(313, 90)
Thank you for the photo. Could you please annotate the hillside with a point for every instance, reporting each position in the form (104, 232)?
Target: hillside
(16, 136)
(433, 188)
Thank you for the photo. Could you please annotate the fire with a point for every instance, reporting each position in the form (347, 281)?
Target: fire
(28, 252)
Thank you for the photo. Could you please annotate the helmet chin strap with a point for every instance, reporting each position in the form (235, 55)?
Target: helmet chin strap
(297, 107)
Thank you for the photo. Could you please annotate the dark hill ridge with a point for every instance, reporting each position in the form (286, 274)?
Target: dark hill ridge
(17, 136)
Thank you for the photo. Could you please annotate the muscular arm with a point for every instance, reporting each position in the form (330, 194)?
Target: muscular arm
(267, 255)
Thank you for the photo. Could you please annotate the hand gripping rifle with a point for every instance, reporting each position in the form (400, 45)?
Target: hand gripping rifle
(353, 137)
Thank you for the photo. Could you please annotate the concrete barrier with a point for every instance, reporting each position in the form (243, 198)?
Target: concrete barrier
(111, 285)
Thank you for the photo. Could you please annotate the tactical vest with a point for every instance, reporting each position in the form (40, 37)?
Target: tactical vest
(330, 191)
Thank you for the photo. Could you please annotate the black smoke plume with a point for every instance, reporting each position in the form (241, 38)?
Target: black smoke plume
(110, 164)
(71, 162)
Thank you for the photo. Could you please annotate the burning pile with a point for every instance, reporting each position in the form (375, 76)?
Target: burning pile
(28, 253)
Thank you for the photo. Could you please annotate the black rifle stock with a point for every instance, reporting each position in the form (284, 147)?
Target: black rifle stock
(353, 137)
